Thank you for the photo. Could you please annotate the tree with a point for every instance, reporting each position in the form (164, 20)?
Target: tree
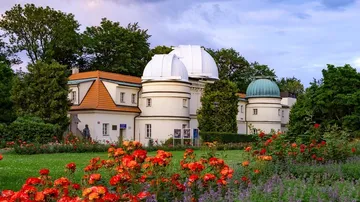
(219, 107)
(7, 114)
(234, 67)
(43, 33)
(291, 85)
(110, 47)
(43, 92)
(334, 100)
(161, 50)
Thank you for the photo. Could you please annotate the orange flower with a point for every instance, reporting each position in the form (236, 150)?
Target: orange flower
(208, 177)
(247, 149)
(39, 196)
(1, 157)
(245, 163)
(126, 143)
(294, 145)
(256, 171)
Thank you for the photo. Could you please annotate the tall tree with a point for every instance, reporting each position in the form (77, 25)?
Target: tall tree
(234, 67)
(333, 100)
(43, 33)
(111, 47)
(7, 114)
(161, 50)
(43, 92)
(219, 107)
(291, 85)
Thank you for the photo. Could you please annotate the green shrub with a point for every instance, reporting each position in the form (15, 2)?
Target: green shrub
(226, 137)
(32, 129)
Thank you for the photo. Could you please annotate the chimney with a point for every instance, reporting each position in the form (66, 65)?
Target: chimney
(75, 70)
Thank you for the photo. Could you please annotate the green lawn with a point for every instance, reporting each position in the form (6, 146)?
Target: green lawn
(15, 169)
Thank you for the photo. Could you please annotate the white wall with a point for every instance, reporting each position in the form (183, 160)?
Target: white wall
(161, 128)
(115, 90)
(241, 126)
(285, 115)
(95, 120)
(288, 101)
(265, 126)
(165, 101)
(241, 113)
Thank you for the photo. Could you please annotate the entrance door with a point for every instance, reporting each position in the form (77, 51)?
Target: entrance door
(121, 135)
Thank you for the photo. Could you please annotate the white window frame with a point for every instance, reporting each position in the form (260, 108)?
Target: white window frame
(133, 98)
(148, 102)
(185, 103)
(105, 129)
(242, 108)
(122, 97)
(148, 131)
(255, 111)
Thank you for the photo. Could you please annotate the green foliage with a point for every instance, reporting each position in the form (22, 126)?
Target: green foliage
(337, 143)
(7, 114)
(226, 137)
(32, 129)
(113, 48)
(332, 100)
(234, 67)
(161, 50)
(43, 92)
(43, 33)
(291, 85)
(219, 107)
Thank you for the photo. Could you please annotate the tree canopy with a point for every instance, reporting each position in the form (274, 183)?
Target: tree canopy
(43, 92)
(161, 50)
(291, 85)
(113, 48)
(43, 33)
(7, 114)
(219, 107)
(333, 100)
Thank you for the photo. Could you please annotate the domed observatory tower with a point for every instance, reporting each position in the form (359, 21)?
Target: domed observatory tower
(164, 100)
(263, 110)
(202, 69)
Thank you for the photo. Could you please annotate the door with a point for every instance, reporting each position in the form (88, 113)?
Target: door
(121, 135)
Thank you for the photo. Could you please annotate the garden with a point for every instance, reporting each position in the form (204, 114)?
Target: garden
(271, 168)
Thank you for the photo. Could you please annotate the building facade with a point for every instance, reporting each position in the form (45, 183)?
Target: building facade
(118, 107)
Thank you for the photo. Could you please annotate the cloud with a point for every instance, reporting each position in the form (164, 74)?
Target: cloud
(336, 4)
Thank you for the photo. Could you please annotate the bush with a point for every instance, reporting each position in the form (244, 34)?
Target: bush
(226, 137)
(32, 129)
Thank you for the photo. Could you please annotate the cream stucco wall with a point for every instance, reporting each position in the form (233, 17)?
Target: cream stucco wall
(95, 120)
(81, 89)
(241, 127)
(268, 113)
(115, 90)
(161, 128)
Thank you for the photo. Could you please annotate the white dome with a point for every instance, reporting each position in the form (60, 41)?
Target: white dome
(165, 67)
(198, 62)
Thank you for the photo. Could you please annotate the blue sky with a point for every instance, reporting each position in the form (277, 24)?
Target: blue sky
(294, 37)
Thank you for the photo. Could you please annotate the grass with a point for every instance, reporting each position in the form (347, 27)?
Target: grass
(15, 169)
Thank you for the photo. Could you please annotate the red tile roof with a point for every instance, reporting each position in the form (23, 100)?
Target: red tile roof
(106, 75)
(241, 95)
(98, 97)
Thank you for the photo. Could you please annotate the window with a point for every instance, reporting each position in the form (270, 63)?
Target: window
(122, 97)
(282, 113)
(148, 130)
(255, 111)
(148, 102)
(105, 129)
(184, 126)
(133, 98)
(279, 112)
(73, 96)
(185, 103)
(242, 109)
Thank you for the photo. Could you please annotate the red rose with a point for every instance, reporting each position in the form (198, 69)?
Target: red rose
(44, 171)
(316, 125)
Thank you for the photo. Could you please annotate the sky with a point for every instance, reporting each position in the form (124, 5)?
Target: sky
(294, 37)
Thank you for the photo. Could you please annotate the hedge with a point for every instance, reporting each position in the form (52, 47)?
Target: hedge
(30, 129)
(226, 137)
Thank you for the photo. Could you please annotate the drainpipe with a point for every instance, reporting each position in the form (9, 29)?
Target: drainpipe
(137, 104)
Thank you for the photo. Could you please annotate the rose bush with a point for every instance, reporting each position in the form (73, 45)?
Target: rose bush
(134, 176)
